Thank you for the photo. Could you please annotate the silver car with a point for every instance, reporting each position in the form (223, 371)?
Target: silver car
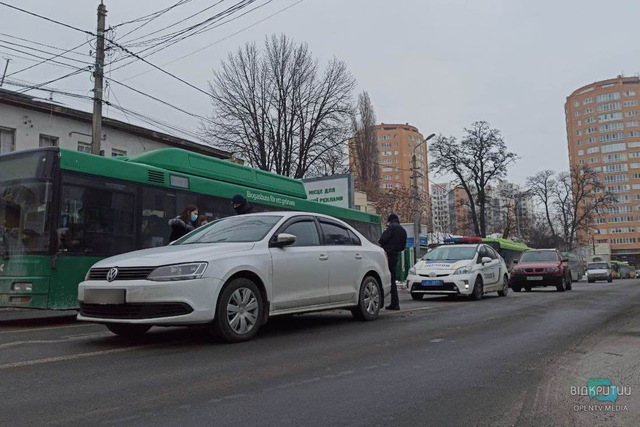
(599, 271)
(233, 274)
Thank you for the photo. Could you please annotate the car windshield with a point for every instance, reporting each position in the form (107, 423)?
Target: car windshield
(536, 256)
(451, 253)
(597, 266)
(236, 229)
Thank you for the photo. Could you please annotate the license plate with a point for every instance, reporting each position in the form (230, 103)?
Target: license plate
(534, 278)
(104, 296)
(432, 283)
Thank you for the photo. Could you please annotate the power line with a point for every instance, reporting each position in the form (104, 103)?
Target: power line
(47, 19)
(43, 51)
(149, 18)
(44, 61)
(38, 57)
(222, 39)
(73, 73)
(156, 67)
(46, 45)
(158, 100)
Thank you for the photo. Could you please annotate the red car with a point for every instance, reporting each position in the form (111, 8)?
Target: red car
(541, 267)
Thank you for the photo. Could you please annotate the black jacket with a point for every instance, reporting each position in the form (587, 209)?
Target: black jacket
(245, 208)
(394, 238)
(179, 228)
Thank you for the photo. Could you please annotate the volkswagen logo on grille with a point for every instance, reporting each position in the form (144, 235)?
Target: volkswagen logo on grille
(112, 274)
(433, 274)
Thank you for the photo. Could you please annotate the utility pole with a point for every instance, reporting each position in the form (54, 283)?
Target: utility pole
(5, 71)
(96, 130)
(416, 198)
(416, 209)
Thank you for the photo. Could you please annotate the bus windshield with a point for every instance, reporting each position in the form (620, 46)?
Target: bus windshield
(25, 196)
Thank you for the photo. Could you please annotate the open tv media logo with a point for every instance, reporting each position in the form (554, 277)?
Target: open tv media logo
(602, 390)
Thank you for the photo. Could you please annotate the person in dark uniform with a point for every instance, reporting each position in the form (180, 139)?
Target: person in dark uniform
(241, 206)
(393, 241)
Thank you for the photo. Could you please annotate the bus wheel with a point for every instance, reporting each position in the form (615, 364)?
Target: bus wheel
(128, 330)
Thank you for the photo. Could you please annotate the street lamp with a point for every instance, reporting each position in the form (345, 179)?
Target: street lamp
(416, 198)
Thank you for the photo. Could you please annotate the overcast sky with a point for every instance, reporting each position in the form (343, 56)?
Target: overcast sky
(436, 64)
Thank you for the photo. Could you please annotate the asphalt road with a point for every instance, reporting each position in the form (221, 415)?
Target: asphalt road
(499, 361)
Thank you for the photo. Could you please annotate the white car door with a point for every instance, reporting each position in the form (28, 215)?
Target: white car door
(489, 269)
(345, 261)
(300, 270)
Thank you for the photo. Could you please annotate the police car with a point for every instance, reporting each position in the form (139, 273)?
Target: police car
(462, 266)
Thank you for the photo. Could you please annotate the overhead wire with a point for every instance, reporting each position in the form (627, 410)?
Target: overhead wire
(46, 60)
(46, 18)
(47, 45)
(220, 40)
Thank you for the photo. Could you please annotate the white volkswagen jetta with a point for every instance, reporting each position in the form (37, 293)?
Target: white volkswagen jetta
(234, 273)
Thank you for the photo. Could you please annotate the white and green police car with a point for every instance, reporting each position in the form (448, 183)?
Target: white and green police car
(459, 268)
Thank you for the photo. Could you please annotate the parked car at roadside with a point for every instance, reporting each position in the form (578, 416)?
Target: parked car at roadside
(599, 271)
(459, 269)
(541, 267)
(231, 275)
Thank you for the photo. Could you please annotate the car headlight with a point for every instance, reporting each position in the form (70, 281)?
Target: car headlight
(193, 270)
(412, 271)
(553, 269)
(463, 270)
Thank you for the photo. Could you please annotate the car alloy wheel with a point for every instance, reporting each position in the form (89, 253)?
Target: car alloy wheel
(562, 286)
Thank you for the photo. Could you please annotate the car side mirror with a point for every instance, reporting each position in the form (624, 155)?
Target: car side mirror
(486, 260)
(283, 239)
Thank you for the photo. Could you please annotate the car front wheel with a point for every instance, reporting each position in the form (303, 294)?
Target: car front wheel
(369, 300)
(505, 287)
(478, 290)
(562, 285)
(239, 313)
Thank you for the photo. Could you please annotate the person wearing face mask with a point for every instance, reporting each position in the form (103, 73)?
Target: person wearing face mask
(183, 223)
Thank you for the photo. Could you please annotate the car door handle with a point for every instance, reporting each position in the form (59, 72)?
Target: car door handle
(324, 257)
(358, 256)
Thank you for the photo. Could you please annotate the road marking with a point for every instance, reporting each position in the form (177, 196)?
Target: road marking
(55, 341)
(67, 358)
(19, 331)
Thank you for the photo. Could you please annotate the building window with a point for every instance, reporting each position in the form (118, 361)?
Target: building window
(588, 110)
(633, 123)
(609, 107)
(630, 93)
(48, 141)
(118, 153)
(608, 97)
(632, 113)
(590, 120)
(633, 103)
(84, 147)
(634, 133)
(7, 140)
(588, 100)
(580, 152)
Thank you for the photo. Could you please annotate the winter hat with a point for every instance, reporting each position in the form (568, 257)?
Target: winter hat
(393, 218)
(238, 200)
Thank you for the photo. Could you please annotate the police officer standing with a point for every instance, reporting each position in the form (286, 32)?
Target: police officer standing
(393, 241)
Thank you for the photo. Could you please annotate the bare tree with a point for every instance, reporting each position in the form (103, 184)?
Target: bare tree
(276, 109)
(398, 200)
(571, 201)
(479, 158)
(364, 146)
(541, 187)
(579, 197)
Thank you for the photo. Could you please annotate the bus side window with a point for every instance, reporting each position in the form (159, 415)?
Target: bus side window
(158, 207)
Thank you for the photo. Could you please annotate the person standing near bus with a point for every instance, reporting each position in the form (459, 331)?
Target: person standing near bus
(393, 241)
(241, 205)
(183, 223)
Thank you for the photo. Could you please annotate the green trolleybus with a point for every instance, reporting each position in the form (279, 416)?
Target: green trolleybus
(61, 211)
